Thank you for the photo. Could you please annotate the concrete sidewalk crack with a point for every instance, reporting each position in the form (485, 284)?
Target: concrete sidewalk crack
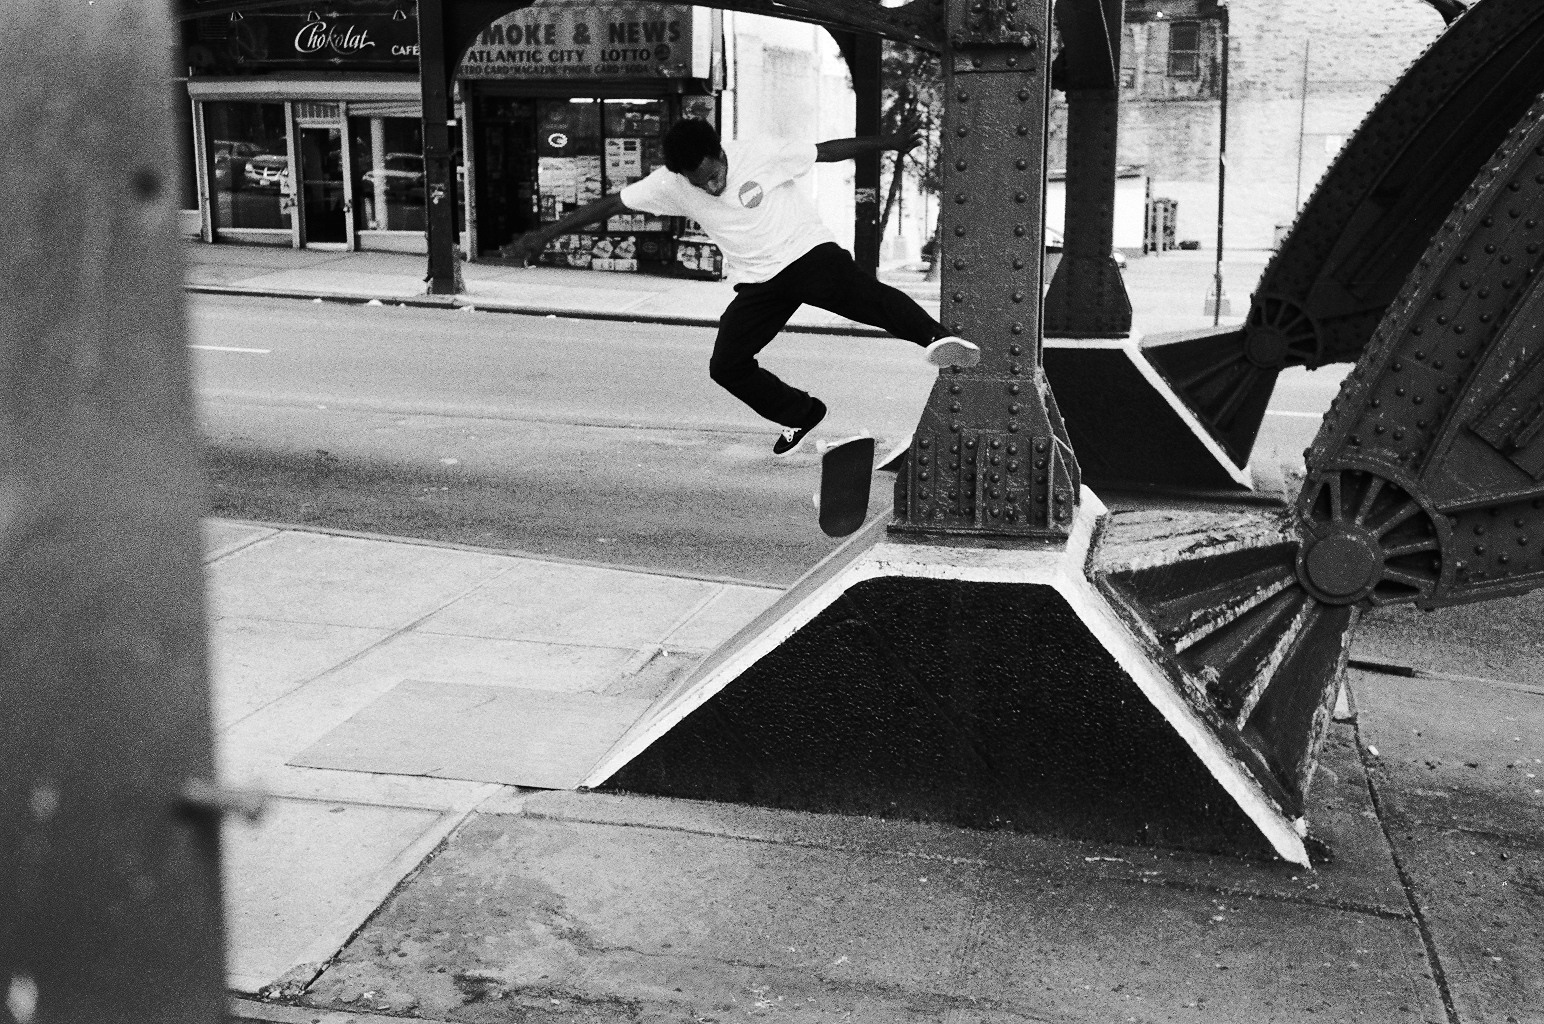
(1428, 941)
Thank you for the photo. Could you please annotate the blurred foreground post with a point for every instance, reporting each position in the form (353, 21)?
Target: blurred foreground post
(109, 863)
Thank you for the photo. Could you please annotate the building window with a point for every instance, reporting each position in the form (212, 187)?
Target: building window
(1185, 49)
(249, 157)
(389, 173)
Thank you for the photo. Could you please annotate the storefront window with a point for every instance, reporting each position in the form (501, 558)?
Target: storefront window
(389, 186)
(389, 192)
(634, 134)
(568, 150)
(249, 159)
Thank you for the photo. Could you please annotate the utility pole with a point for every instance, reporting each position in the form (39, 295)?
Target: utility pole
(1302, 128)
(1222, 167)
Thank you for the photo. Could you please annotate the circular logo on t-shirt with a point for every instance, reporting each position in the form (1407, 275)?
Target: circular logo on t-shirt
(751, 194)
(557, 140)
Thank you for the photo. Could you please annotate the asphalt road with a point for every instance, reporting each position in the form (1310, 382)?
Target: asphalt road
(575, 438)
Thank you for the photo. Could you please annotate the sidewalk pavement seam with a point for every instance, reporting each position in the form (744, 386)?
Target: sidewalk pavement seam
(681, 622)
(245, 544)
(376, 893)
(530, 556)
(1428, 940)
(360, 654)
(549, 641)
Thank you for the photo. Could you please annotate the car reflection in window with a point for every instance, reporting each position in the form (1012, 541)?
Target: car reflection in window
(402, 174)
(267, 171)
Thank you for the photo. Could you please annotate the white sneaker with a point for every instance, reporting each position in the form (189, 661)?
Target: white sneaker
(952, 351)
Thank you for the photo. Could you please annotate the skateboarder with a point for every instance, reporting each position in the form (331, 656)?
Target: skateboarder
(747, 197)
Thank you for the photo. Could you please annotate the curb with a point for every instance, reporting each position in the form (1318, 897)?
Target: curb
(428, 302)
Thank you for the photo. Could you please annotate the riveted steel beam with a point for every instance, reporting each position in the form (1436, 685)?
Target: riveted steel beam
(1369, 219)
(990, 454)
(1426, 482)
(1425, 486)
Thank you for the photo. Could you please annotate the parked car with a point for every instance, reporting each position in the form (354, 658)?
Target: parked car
(402, 174)
(267, 171)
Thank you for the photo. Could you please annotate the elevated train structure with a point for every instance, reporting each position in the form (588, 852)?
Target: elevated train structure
(1002, 650)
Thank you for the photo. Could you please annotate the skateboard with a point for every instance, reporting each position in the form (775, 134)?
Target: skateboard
(846, 468)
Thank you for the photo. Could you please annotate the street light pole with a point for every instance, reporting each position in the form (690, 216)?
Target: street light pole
(1222, 168)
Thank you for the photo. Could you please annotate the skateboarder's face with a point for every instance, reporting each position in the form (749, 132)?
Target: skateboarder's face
(711, 175)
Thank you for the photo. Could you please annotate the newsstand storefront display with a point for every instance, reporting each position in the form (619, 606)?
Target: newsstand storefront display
(567, 103)
(307, 127)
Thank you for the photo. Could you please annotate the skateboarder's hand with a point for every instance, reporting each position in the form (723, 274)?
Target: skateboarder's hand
(523, 249)
(903, 141)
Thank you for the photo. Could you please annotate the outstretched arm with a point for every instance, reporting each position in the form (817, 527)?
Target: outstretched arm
(528, 246)
(833, 150)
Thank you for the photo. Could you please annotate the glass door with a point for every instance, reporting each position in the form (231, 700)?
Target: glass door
(323, 206)
(506, 173)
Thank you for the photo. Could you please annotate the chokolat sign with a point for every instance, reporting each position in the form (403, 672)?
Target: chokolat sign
(570, 41)
(378, 34)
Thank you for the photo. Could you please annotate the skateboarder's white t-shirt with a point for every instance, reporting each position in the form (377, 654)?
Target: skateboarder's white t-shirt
(763, 221)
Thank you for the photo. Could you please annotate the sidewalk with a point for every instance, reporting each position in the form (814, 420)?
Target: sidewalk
(424, 855)
(380, 689)
(1168, 292)
(559, 291)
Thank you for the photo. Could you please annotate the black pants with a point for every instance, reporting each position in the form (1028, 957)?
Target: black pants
(825, 277)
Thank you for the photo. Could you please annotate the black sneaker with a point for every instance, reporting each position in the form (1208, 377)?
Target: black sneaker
(792, 437)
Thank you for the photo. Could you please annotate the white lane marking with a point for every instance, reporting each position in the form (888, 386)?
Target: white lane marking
(1301, 415)
(229, 348)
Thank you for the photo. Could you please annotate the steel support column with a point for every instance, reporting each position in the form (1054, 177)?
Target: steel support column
(436, 68)
(990, 454)
(985, 656)
(1087, 297)
(1130, 428)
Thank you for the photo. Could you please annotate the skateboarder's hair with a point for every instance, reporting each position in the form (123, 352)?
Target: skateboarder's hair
(688, 143)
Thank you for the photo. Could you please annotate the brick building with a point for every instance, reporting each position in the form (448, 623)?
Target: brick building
(1301, 76)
